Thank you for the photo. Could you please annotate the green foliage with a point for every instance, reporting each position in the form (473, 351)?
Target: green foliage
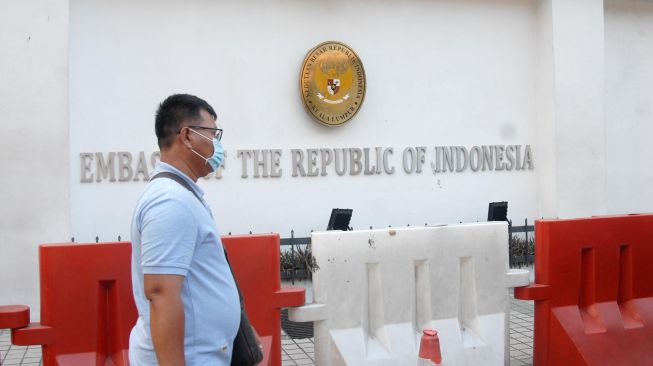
(520, 246)
(306, 259)
(299, 259)
(286, 261)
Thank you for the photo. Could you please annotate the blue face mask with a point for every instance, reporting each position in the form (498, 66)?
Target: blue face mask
(216, 159)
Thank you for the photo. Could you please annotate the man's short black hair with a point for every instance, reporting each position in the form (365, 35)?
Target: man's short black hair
(176, 112)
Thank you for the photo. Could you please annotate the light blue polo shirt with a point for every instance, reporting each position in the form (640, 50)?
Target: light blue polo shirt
(174, 233)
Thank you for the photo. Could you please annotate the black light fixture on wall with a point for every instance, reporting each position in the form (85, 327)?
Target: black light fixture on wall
(339, 219)
(497, 211)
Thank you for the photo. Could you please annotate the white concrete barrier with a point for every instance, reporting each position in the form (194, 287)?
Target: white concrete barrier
(375, 291)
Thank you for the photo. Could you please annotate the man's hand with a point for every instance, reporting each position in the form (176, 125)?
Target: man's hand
(166, 317)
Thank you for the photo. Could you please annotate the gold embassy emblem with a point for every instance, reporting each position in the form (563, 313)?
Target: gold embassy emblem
(332, 83)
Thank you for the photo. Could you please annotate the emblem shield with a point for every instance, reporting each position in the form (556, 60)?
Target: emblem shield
(333, 86)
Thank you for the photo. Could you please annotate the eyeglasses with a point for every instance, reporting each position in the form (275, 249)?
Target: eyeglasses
(216, 131)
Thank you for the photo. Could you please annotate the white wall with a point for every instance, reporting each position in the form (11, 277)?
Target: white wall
(34, 186)
(572, 79)
(577, 54)
(629, 105)
(438, 73)
(546, 149)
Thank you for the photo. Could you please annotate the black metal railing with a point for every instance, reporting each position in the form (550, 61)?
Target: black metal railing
(297, 263)
(521, 249)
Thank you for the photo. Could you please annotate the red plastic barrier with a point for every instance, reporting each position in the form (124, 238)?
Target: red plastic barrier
(593, 291)
(255, 262)
(87, 308)
(13, 316)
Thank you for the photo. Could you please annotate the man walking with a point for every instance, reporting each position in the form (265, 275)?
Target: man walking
(188, 305)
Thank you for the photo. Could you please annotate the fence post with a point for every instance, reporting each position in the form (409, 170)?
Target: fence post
(292, 256)
(528, 262)
(510, 259)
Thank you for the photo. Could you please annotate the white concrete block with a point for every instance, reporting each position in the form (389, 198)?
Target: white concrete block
(376, 290)
(517, 278)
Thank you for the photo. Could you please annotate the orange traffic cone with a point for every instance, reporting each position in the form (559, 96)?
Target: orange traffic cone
(429, 348)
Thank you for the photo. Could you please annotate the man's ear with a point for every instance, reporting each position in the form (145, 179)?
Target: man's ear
(184, 138)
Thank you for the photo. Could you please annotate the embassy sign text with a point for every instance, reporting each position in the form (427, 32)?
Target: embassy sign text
(96, 167)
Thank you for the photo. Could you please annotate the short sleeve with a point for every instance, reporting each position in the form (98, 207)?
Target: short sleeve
(168, 237)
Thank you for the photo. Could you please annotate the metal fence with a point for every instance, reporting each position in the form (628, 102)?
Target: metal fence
(296, 264)
(521, 244)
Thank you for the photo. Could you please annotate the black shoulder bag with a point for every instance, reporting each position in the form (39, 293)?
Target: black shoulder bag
(246, 351)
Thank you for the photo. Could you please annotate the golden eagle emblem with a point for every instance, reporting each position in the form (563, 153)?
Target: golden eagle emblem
(332, 83)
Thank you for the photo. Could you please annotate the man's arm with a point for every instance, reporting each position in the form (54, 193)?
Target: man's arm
(166, 317)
